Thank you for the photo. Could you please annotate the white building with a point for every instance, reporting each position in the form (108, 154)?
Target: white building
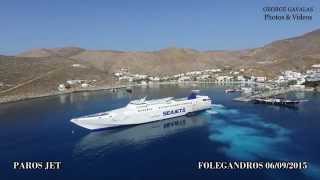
(246, 90)
(143, 83)
(73, 82)
(78, 65)
(62, 87)
(223, 79)
(126, 78)
(140, 76)
(184, 78)
(84, 85)
(203, 77)
(165, 78)
(154, 78)
(118, 74)
(291, 75)
(124, 70)
(280, 79)
(241, 78)
(193, 73)
(261, 79)
(215, 70)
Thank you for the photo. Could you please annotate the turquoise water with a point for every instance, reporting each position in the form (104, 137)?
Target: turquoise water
(39, 130)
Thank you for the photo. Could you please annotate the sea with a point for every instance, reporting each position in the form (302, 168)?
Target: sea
(187, 147)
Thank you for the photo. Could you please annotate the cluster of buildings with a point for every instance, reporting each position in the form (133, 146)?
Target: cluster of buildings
(290, 77)
(212, 75)
(76, 84)
(299, 79)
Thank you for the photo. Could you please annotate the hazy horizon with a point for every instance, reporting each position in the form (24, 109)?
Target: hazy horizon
(144, 25)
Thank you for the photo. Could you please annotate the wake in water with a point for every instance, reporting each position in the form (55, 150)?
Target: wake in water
(245, 134)
(249, 137)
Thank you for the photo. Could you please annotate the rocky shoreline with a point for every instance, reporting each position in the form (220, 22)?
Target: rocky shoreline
(16, 98)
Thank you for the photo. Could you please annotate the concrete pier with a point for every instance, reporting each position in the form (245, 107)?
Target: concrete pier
(275, 92)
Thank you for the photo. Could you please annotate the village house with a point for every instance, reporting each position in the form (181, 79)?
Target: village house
(78, 66)
(292, 76)
(184, 78)
(203, 77)
(151, 78)
(224, 79)
(62, 87)
(261, 79)
(241, 78)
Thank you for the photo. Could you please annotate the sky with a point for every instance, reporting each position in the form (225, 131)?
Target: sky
(145, 25)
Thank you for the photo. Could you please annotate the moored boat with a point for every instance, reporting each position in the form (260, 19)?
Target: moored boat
(231, 90)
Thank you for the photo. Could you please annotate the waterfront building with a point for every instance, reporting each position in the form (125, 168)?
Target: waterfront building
(61, 87)
(241, 78)
(261, 79)
(184, 78)
(85, 85)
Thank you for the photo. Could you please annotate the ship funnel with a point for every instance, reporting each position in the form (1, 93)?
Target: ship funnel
(193, 94)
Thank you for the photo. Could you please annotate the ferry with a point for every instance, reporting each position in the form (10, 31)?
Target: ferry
(144, 111)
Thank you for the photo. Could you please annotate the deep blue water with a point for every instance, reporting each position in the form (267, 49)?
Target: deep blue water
(39, 130)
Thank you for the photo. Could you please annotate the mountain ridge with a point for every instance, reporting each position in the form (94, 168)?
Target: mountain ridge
(297, 53)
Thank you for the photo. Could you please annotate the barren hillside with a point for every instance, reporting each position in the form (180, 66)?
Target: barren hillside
(40, 71)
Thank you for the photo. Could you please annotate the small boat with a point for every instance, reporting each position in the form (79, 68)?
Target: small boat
(129, 90)
(231, 90)
(113, 90)
(276, 101)
(246, 90)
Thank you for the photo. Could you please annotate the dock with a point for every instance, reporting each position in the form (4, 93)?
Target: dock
(266, 94)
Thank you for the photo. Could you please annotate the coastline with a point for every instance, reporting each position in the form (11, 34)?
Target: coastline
(17, 98)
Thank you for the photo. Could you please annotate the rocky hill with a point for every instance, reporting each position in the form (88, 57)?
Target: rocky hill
(163, 62)
(39, 71)
(53, 52)
(30, 77)
(305, 45)
(297, 53)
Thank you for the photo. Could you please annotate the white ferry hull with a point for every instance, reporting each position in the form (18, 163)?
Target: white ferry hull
(140, 113)
(93, 126)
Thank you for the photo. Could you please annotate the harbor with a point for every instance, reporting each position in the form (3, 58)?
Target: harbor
(215, 133)
(160, 90)
(268, 94)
